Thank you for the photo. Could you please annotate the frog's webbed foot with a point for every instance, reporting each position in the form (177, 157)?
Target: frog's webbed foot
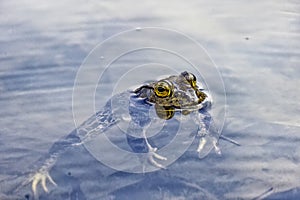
(206, 144)
(151, 155)
(40, 177)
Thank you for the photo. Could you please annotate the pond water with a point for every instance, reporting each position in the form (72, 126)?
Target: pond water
(255, 46)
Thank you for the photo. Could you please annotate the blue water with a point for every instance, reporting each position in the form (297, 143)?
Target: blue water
(254, 44)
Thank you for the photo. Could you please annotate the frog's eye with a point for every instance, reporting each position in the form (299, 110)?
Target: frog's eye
(163, 89)
(191, 78)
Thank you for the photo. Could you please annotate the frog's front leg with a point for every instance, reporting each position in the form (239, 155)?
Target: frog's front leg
(152, 153)
(208, 134)
(139, 143)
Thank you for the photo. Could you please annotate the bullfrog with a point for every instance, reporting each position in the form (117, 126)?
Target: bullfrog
(175, 97)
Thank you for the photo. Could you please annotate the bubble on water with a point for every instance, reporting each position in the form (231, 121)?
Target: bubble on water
(101, 57)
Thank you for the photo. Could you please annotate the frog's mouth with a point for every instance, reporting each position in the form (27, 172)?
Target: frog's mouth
(167, 112)
(138, 90)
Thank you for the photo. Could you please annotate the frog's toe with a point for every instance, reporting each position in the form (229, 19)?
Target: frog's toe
(152, 154)
(206, 144)
(159, 156)
(41, 177)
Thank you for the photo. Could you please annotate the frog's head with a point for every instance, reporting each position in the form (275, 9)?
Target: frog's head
(175, 92)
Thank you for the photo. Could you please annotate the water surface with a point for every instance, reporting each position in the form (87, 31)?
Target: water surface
(254, 44)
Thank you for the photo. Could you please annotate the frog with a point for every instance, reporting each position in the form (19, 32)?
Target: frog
(169, 97)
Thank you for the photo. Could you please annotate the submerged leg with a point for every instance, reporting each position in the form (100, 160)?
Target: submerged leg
(139, 143)
(152, 153)
(208, 134)
(41, 176)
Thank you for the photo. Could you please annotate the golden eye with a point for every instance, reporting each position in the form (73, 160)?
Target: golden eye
(191, 78)
(163, 89)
